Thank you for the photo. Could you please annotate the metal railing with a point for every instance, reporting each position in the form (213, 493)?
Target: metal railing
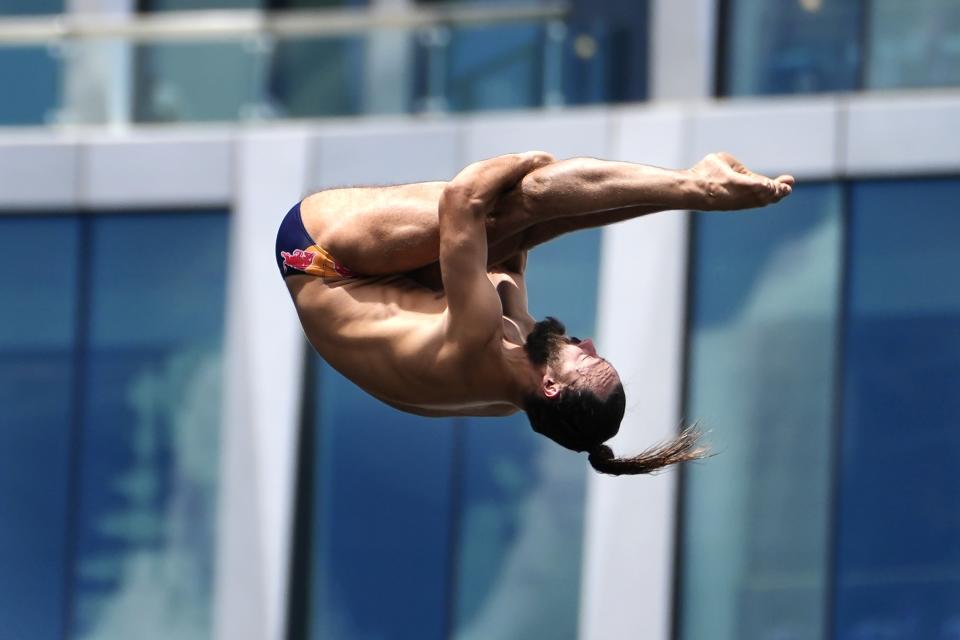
(231, 24)
(95, 51)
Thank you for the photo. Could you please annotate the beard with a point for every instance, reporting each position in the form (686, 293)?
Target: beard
(545, 341)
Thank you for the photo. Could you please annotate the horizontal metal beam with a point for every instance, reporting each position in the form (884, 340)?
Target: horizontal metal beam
(234, 24)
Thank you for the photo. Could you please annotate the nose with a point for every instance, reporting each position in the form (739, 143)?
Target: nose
(587, 345)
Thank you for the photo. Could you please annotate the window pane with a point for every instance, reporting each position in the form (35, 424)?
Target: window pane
(36, 400)
(761, 349)
(898, 561)
(314, 77)
(32, 76)
(150, 439)
(30, 7)
(381, 529)
(914, 44)
(791, 46)
(521, 506)
(495, 67)
(173, 81)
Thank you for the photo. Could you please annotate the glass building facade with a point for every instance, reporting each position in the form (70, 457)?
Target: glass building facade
(109, 423)
(823, 356)
(822, 347)
(811, 46)
(596, 54)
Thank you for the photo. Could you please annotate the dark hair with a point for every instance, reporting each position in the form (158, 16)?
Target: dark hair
(683, 448)
(580, 421)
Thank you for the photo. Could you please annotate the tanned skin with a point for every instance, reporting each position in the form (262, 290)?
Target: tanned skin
(438, 326)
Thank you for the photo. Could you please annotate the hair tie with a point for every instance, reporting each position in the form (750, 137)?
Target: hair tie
(601, 452)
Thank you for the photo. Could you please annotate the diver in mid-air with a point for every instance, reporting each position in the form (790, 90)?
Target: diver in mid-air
(416, 292)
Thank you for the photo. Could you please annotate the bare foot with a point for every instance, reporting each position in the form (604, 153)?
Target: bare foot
(725, 184)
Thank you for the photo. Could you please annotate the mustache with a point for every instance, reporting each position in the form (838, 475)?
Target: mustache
(545, 340)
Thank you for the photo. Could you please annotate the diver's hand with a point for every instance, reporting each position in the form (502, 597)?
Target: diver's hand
(724, 184)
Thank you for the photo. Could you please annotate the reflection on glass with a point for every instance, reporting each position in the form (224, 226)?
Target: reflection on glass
(381, 527)
(197, 81)
(30, 7)
(761, 349)
(31, 77)
(314, 77)
(495, 67)
(791, 46)
(150, 436)
(914, 44)
(898, 556)
(36, 402)
(522, 496)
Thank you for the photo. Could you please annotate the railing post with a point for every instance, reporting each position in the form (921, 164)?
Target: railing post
(556, 37)
(436, 40)
(261, 47)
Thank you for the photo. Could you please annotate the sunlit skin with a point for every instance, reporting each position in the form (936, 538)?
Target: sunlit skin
(438, 324)
(578, 365)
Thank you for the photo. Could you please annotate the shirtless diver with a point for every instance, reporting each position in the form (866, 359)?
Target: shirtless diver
(416, 292)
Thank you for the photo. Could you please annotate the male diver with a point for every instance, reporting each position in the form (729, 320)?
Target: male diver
(416, 292)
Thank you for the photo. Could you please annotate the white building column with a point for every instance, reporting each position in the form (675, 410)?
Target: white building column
(630, 523)
(683, 44)
(263, 386)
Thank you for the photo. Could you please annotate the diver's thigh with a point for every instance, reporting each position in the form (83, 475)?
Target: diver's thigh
(377, 230)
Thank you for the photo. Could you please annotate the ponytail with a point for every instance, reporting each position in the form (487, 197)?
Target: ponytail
(683, 448)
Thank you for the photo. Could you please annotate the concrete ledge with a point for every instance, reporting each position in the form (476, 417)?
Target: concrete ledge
(168, 169)
(771, 136)
(39, 174)
(899, 134)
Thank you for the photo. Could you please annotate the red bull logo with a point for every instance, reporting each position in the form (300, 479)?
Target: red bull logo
(299, 259)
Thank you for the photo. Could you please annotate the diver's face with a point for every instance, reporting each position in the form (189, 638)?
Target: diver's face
(576, 364)
(568, 360)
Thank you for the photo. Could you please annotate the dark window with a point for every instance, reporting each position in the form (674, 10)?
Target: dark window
(149, 441)
(898, 555)
(32, 77)
(789, 46)
(110, 372)
(38, 286)
(763, 324)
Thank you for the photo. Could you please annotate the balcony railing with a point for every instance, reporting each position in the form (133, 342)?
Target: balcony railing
(249, 64)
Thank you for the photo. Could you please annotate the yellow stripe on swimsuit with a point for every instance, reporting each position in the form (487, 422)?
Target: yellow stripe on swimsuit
(297, 252)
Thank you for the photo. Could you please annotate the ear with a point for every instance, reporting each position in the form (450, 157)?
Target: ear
(550, 387)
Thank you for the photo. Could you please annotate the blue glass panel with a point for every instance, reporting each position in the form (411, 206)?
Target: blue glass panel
(31, 77)
(30, 7)
(521, 506)
(914, 44)
(606, 51)
(318, 77)
(791, 46)
(495, 67)
(38, 263)
(898, 556)
(761, 360)
(382, 518)
(173, 81)
(150, 438)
